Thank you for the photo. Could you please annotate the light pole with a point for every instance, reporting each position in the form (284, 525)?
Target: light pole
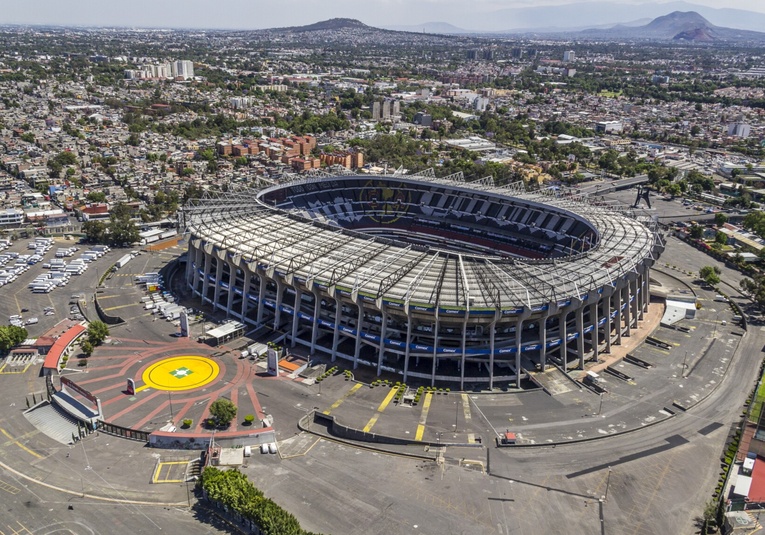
(170, 398)
(684, 364)
(600, 406)
(608, 483)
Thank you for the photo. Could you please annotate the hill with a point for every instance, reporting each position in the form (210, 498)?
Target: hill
(328, 25)
(679, 26)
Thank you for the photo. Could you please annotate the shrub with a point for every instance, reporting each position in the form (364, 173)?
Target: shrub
(187, 423)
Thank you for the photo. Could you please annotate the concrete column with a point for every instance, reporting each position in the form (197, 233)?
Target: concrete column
(492, 336)
(296, 313)
(261, 298)
(606, 304)
(359, 323)
(218, 277)
(316, 312)
(383, 334)
(231, 286)
(618, 319)
(245, 292)
(563, 332)
(646, 288)
(594, 303)
(580, 337)
(278, 303)
(435, 352)
(408, 341)
(198, 259)
(336, 332)
(462, 359)
(627, 309)
(519, 343)
(635, 300)
(189, 266)
(205, 272)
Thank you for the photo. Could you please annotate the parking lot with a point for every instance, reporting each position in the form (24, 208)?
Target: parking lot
(50, 282)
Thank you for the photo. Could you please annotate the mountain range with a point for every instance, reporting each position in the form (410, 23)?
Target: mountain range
(680, 26)
(584, 15)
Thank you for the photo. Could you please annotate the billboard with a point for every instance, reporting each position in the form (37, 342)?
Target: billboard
(184, 321)
(273, 361)
(78, 389)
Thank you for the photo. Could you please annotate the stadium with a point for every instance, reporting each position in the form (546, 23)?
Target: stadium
(435, 279)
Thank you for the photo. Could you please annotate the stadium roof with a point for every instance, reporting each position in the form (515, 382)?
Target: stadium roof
(312, 252)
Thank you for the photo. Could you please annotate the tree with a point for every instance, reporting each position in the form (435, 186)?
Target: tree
(11, 336)
(721, 238)
(710, 275)
(95, 231)
(720, 219)
(696, 232)
(97, 332)
(223, 411)
(96, 196)
(121, 227)
(87, 348)
(755, 288)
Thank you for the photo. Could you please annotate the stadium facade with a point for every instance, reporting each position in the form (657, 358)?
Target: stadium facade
(432, 278)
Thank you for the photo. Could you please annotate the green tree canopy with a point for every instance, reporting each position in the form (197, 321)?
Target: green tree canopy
(11, 336)
(95, 231)
(97, 332)
(710, 275)
(121, 227)
(223, 411)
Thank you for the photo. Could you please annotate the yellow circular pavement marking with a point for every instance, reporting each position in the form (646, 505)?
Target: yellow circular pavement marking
(180, 373)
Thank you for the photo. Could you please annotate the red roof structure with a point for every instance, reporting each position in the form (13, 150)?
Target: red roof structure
(55, 353)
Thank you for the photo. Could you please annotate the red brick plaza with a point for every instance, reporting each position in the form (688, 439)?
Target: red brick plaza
(177, 367)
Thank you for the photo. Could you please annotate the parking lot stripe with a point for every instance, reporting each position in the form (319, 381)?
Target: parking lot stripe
(383, 405)
(121, 306)
(339, 402)
(10, 489)
(387, 399)
(371, 423)
(423, 416)
(466, 406)
(19, 444)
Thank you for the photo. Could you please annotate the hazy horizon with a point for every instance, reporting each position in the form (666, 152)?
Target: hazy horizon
(205, 14)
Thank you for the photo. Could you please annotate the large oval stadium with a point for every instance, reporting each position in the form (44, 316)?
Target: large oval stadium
(435, 279)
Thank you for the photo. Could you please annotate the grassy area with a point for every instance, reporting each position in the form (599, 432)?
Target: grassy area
(759, 399)
(610, 94)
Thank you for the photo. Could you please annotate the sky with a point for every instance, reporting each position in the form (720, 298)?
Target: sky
(255, 14)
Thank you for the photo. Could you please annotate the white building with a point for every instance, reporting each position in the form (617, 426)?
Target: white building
(739, 130)
(183, 68)
(569, 55)
(11, 217)
(609, 127)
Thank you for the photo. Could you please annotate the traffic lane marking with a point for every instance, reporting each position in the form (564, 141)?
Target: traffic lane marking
(19, 444)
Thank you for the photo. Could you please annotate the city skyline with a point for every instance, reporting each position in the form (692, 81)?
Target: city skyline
(204, 14)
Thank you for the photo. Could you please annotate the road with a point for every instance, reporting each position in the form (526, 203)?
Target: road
(659, 479)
